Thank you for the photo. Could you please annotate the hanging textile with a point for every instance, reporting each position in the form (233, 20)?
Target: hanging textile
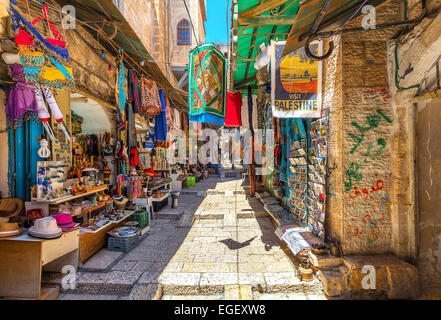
(207, 118)
(160, 121)
(45, 70)
(120, 93)
(244, 112)
(233, 117)
(207, 84)
(21, 99)
(25, 30)
(150, 101)
(168, 115)
(133, 91)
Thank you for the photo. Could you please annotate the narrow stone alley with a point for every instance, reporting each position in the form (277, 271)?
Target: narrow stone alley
(219, 244)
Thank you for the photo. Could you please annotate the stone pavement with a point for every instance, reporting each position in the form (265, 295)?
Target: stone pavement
(230, 251)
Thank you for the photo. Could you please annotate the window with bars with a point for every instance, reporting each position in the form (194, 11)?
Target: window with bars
(184, 34)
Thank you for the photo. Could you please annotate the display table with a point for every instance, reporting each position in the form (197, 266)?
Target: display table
(92, 241)
(24, 257)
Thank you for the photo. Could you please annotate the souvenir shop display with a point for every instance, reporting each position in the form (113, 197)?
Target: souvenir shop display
(317, 176)
(298, 179)
(51, 176)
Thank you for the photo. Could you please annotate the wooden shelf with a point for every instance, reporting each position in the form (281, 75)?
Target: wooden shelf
(102, 204)
(71, 197)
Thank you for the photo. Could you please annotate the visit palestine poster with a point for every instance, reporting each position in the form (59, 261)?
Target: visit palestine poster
(296, 83)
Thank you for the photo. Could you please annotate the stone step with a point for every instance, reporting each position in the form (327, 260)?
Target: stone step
(181, 283)
(113, 282)
(394, 278)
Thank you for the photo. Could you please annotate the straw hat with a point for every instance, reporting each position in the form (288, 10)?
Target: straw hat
(46, 228)
(121, 205)
(10, 209)
(9, 230)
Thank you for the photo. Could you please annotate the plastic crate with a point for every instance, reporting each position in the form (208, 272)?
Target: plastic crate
(142, 217)
(122, 244)
(191, 181)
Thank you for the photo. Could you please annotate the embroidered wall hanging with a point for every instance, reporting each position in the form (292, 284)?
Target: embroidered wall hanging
(207, 81)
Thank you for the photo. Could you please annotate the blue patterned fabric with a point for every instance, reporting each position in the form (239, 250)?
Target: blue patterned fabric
(161, 121)
(207, 118)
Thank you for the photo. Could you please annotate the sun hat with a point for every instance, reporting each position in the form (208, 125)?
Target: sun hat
(46, 228)
(10, 209)
(65, 221)
(8, 229)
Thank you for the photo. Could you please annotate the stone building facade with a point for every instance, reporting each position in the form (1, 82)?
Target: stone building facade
(156, 24)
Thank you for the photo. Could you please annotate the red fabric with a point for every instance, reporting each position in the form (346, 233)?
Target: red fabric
(24, 38)
(233, 117)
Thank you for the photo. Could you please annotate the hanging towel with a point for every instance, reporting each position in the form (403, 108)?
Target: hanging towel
(234, 105)
(160, 121)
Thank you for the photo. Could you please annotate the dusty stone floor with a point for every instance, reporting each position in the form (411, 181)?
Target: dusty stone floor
(222, 246)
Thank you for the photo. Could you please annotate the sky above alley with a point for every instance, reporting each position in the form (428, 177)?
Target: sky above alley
(218, 15)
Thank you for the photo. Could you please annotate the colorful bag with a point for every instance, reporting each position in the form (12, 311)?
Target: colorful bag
(150, 102)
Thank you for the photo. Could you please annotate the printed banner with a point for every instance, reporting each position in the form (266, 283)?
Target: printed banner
(207, 81)
(296, 83)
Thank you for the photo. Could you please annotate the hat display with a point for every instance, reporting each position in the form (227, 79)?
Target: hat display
(10, 209)
(9, 230)
(45, 228)
(65, 221)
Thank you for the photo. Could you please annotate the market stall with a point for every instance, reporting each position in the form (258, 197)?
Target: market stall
(89, 170)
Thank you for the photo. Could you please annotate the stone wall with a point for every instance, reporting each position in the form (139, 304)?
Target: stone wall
(362, 130)
(156, 21)
(416, 165)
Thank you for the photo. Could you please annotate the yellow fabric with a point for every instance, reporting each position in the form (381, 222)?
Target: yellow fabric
(48, 72)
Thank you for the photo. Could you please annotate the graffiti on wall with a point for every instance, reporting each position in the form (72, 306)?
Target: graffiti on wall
(369, 219)
(374, 120)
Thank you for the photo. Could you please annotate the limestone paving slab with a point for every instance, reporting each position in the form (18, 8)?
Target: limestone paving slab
(214, 282)
(180, 282)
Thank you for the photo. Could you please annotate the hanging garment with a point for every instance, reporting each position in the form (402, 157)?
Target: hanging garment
(160, 121)
(233, 117)
(133, 91)
(21, 98)
(244, 112)
(150, 101)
